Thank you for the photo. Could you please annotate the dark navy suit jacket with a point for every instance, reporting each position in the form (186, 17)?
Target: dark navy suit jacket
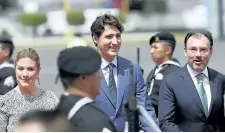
(180, 108)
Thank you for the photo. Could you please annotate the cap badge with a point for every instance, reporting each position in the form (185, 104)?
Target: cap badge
(157, 39)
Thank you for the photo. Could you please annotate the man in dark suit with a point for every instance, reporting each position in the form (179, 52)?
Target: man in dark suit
(191, 99)
(162, 47)
(115, 83)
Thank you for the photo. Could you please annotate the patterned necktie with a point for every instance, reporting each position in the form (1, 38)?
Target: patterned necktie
(202, 93)
(112, 83)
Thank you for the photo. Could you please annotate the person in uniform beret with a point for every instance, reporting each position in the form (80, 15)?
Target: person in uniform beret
(162, 47)
(79, 73)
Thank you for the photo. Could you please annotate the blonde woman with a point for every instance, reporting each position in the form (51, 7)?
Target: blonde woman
(26, 96)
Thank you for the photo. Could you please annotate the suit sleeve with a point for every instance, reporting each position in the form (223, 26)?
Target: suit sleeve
(143, 100)
(222, 118)
(167, 106)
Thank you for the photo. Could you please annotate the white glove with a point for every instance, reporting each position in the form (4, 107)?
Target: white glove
(9, 82)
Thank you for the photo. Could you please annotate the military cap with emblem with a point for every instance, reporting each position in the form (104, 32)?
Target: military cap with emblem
(78, 61)
(163, 36)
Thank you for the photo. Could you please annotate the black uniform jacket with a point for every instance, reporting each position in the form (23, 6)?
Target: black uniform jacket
(89, 118)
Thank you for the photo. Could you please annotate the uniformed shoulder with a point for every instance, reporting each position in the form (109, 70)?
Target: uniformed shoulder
(92, 115)
(174, 66)
(7, 71)
(171, 68)
(7, 65)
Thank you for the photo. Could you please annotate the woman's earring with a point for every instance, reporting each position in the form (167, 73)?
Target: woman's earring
(38, 81)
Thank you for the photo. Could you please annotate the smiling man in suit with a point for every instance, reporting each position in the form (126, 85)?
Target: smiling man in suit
(115, 83)
(191, 99)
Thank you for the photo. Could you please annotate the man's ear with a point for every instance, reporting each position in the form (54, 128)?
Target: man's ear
(168, 50)
(95, 39)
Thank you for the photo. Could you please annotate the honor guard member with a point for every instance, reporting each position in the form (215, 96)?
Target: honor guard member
(162, 48)
(7, 72)
(79, 72)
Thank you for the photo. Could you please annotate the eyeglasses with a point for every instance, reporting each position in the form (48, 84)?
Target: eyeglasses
(193, 50)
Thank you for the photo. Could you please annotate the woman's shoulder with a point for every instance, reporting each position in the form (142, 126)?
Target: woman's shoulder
(9, 96)
(8, 101)
(50, 97)
(48, 94)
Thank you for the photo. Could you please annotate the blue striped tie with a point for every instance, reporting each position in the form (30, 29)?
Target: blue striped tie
(112, 83)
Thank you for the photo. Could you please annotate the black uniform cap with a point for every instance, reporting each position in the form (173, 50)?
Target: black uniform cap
(163, 36)
(7, 42)
(78, 61)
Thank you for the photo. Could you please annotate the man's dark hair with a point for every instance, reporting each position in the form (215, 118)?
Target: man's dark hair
(207, 34)
(52, 121)
(98, 26)
(7, 43)
(171, 45)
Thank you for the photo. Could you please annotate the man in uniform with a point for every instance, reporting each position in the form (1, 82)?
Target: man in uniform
(162, 48)
(79, 72)
(7, 72)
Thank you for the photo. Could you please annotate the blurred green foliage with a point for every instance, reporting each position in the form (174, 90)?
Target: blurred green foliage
(75, 17)
(33, 19)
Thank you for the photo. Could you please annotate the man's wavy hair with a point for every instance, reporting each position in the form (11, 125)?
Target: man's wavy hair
(98, 26)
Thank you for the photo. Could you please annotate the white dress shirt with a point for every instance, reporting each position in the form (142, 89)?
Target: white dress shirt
(105, 69)
(205, 82)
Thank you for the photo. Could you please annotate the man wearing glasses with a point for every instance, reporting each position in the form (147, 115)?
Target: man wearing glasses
(191, 99)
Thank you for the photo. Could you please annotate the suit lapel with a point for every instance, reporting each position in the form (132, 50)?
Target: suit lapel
(121, 80)
(191, 89)
(213, 87)
(105, 89)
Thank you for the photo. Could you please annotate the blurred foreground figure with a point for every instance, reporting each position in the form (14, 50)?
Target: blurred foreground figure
(79, 72)
(44, 121)
(191, 99)
(162, 47)
(7, 72)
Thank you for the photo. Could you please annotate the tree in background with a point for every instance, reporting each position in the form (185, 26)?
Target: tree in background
(75, 17)
(33, 20)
